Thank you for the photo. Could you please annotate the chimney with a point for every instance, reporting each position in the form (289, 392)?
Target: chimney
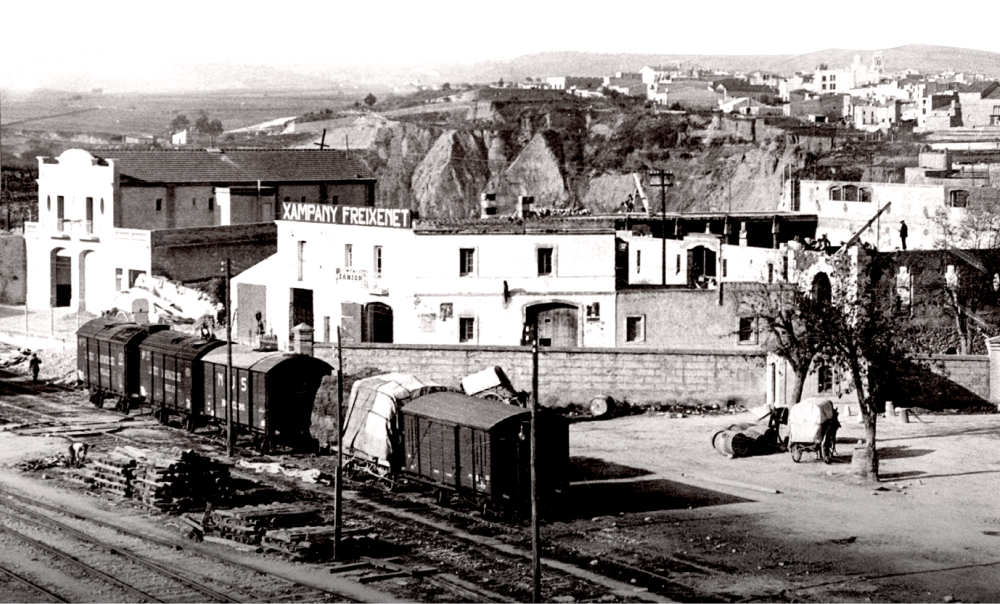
(488, 205)
(524, 205)
(302, 339)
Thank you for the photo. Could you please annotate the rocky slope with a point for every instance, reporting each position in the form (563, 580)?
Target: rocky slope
(568, 155)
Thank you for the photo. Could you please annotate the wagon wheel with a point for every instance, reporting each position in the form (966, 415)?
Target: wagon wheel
(796, 453)
(97, 399)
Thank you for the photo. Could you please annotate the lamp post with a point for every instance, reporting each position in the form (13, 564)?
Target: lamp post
(661, 179)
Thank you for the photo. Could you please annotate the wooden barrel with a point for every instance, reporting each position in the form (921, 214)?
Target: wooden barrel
(601, 406)
(723, 442)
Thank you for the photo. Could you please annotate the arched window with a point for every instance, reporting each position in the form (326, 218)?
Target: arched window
(836, 194)
(850, 193)
(958, 199)
(864, 194)
(822, 290)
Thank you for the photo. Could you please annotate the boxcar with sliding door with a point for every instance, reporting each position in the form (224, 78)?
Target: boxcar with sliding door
(272, 393)
(107, 356)
(170, 375)
(481, 449)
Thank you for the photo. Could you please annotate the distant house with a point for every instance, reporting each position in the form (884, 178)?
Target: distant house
(630, 84)
(179, 138)
(831, 107)
(980, 103)
(739, 88)
(689, 94)
(574, 83)
(876, 116)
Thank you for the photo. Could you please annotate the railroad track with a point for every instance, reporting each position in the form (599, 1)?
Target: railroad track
(149, 579)
(29, 585)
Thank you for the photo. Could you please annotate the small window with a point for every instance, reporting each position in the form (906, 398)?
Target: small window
(466, 329)
(544, 261)
(678, 264)
(784, 268)
(725, 267)
(211, 204)
(348, 255)
(594, 311)
(48, 202)
(770, 273)
(119, 274)
(635, 329)
(638, 261)
(836, 194)
(467, 261)
(958, 199)
(334, 199)
(303, 199)
(194, 202)
(159, 205)
(288, 199)
(850, 193)
(102, 205)
(378, 260)
(133, 276)
(864, 195)
(746, 333)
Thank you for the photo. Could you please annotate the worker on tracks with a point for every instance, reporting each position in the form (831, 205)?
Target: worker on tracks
(36, 364)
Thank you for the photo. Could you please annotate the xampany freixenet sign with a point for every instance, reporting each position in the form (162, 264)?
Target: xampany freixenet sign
(353, 215)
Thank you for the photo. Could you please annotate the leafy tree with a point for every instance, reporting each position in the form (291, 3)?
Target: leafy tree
(180, 122)
(211, 127)
(446, 86)
(370, 99)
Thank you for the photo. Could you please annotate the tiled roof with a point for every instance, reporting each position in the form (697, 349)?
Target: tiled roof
(237, 165)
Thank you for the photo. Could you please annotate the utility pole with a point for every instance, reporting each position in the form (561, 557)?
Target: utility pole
(229, 362)
(322, 141)
(661, 179)
(536, 567)
(338, 485)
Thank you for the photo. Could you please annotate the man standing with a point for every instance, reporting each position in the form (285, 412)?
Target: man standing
(35, 364)
(903, 232)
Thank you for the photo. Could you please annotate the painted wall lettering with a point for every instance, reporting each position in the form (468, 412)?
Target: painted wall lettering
(351, 215)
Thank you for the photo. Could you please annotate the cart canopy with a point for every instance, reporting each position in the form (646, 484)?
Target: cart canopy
(806, 419)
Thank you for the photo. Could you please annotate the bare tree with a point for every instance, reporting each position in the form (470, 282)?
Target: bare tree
(863, 335)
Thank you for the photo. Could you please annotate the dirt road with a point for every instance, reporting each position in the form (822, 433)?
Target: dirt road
(930, 531)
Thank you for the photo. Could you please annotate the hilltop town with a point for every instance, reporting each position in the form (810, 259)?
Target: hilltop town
(624, 252)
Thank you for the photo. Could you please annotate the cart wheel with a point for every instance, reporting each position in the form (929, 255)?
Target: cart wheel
(796, 453)
(189, 423)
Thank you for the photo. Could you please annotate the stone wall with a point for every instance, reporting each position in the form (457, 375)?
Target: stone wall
(568, 376)
(13, 269)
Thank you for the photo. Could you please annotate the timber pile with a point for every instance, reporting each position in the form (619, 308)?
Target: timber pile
(249, 524)
(112, 473)
(176, 481)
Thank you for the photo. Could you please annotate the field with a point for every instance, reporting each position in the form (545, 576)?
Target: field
(119, 114)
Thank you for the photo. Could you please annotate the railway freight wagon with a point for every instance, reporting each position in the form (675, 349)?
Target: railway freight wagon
(171, 377)
(107, 359)
(481, 449)
(273, 393)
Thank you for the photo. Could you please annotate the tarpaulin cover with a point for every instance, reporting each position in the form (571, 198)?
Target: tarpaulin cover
(806, 419)
(371, 427)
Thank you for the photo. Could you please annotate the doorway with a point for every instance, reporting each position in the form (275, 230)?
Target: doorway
(555, 323)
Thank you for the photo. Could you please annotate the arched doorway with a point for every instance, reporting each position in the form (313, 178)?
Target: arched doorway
(822, 291)
(555, 323)
(60, 277)
(377, 323)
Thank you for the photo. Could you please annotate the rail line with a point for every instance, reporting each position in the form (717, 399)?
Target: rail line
(30, 585)
(305, 591)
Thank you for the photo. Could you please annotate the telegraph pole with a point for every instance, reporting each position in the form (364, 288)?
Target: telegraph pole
(536, 567)
(227, 269)
(661, 179)
(338, 488)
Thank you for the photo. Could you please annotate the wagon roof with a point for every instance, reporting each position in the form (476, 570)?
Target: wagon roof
(456, 408)
(245, 357)
(108, 331)
(180, 345)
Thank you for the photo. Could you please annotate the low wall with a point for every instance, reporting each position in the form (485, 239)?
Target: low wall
(576, 375)
(949, 381)
(13, 269)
